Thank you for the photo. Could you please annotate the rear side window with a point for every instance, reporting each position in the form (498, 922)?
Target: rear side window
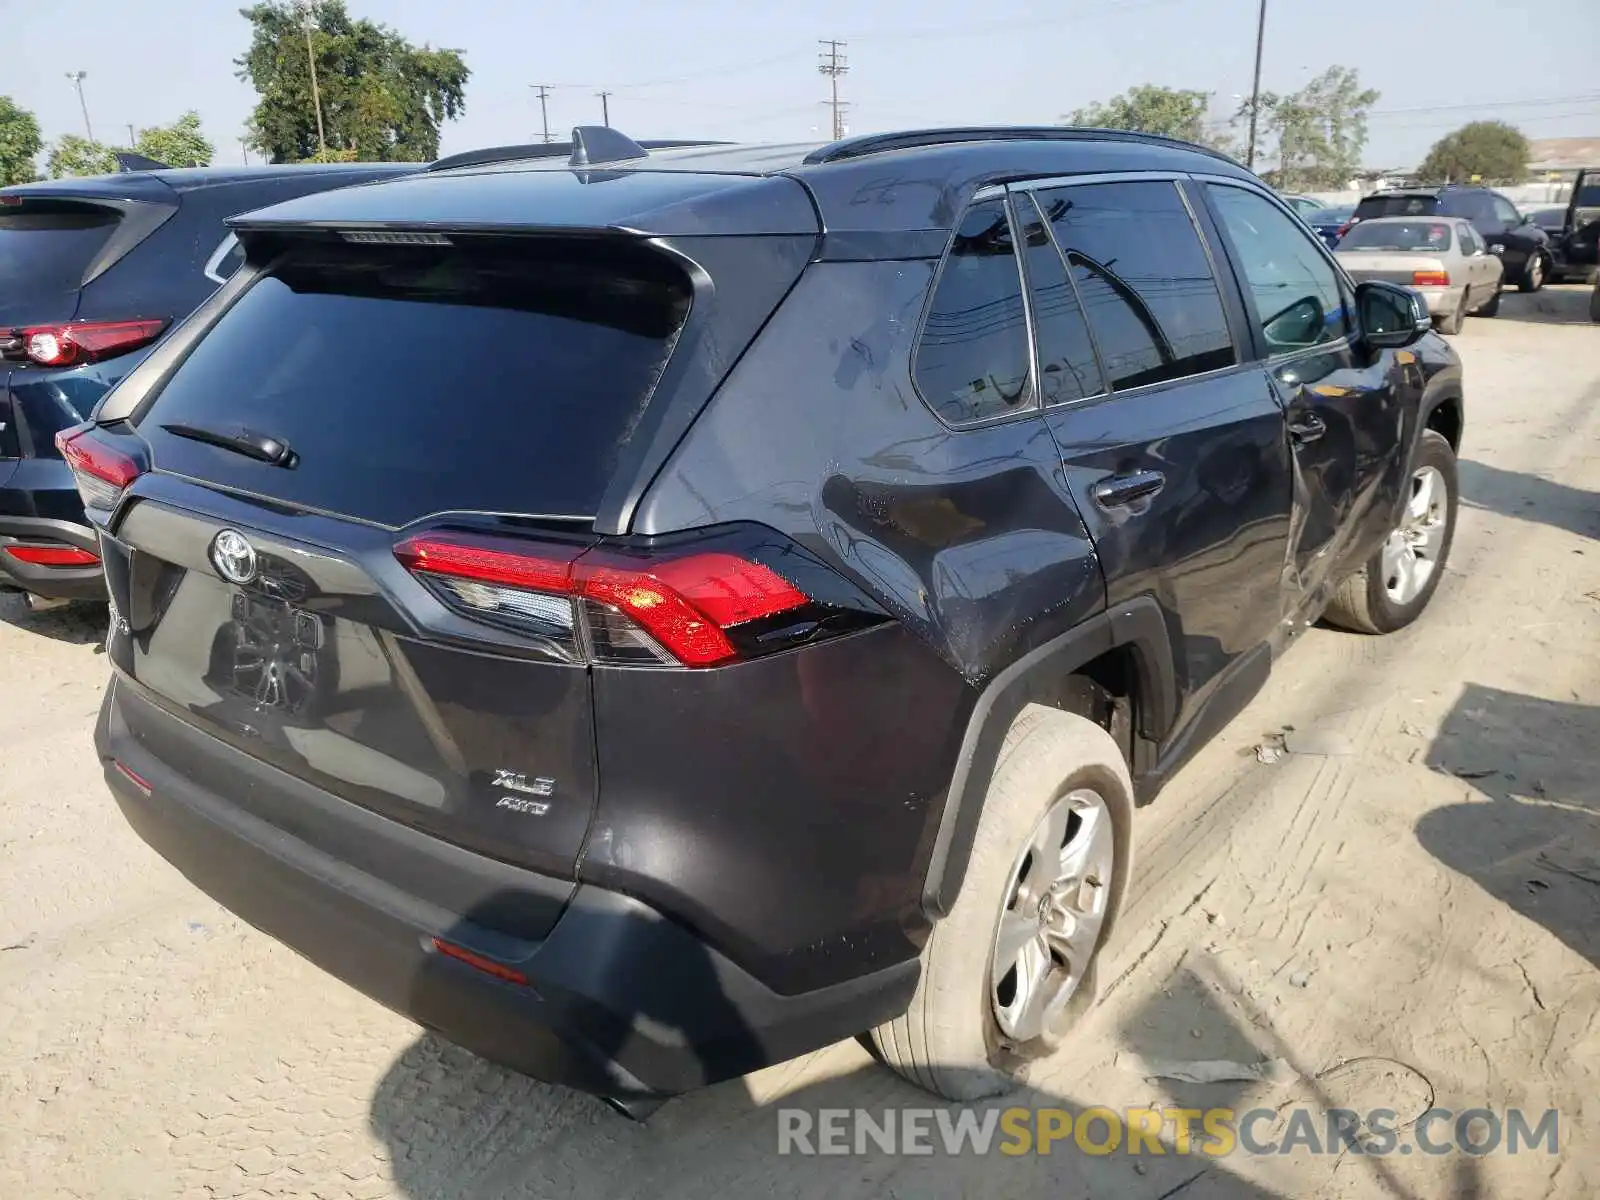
(1296, 290)
(1068, 369)
(1143, 277)
(1396, 206)
(498, 377)
(972, 358)
(46, 246)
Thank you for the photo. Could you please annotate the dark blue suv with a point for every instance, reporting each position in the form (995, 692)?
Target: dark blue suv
(646, 615)
(92, 273)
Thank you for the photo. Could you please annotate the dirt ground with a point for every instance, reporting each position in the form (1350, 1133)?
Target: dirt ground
(1405, 906)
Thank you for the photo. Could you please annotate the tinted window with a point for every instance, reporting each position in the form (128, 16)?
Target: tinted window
(1397, 206)
(47, 245)
(1295, 288)
(1144, 280)
(1067, 367)
(972, 359)
(411, 380)
(1469, 239)
(1389, 234)
(1551, 219)
(1588, 195)
(1505, 211)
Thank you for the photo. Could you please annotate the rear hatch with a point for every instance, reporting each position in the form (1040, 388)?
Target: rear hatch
(474, 389)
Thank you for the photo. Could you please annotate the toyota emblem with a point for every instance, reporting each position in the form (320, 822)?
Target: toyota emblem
(233, 556)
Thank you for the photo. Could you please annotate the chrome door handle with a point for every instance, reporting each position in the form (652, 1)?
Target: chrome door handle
(1118, 491)
(1307, 428)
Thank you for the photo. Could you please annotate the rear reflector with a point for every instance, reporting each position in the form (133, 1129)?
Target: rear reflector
(87, 341)
(667, 611)
(132, 776)
(100, 472)
(1430, 279)
(53, 556)
(478, 962)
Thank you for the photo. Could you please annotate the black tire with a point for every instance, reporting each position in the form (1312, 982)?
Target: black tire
(1534, 273)
(1363, 604)
(1492, 306)
(1452, 324)
(1594, 304)
(948, 1041)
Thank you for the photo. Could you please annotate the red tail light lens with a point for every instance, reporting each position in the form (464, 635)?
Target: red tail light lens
(668, 611)
(53, 556)
(86, 341)
(1430, 279)
(1344, 229)
(101, 473)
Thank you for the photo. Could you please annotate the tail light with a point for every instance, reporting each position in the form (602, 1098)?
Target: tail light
(86, 341)
(1344, 229)
(1430, 279)
(101, 473)
(53, 556)
(696, 609)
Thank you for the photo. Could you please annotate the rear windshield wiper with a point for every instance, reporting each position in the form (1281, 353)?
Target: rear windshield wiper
(259, 446)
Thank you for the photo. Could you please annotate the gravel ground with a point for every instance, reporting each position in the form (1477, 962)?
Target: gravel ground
(1405, 904)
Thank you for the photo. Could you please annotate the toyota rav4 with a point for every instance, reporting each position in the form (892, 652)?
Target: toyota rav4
(645, 615)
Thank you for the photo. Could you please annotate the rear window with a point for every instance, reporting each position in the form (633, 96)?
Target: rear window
(47, 245)
(1397, 206)
(497, 377)
(1432, 236)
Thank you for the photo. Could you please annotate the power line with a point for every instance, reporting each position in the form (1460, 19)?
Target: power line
(834, 65)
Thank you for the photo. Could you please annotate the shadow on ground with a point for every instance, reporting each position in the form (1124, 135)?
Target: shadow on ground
(1534, 843)
(1557, 304)
(79, 624)
(1529, 498)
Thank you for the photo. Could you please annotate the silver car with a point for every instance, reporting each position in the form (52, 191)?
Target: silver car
(1442, 257)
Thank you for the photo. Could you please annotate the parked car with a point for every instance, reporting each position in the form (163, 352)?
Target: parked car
(92, 272)
(1574, 229)
(1330, 223)
(1445, 260)
(722, 618)
(1303, 205)
(1521, 245)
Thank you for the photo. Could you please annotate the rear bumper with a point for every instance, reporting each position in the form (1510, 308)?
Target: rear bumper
(614, 1000)
(1442, 301)
(53, 583)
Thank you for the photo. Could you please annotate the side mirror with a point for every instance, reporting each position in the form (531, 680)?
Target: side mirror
(1392, 316)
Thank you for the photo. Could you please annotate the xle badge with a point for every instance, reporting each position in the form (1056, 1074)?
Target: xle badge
(538, 786)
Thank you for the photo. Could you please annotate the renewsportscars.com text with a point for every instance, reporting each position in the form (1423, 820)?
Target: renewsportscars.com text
(1213, 1132)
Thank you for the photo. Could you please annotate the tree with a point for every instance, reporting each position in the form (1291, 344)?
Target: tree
(180, 144)
(19, 143)
(1492, 150)
(73, 155)
(383, 99)
(1148, 108)
(1319, 132)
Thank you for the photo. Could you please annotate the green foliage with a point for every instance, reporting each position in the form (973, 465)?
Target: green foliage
(20, 143)
(180, 144)
(1492, 150)
(1171, 112)
(383, 99)
(73, 155)
(1318, 133)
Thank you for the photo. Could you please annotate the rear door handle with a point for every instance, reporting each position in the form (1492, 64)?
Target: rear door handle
(1307, 428)
(1119, 491)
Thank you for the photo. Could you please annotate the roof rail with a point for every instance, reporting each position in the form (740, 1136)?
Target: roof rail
(498, 154)
(881, 143)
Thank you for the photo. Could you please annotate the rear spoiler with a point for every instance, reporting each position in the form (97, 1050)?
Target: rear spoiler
(128, 161)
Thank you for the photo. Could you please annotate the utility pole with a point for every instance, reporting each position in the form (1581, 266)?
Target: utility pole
(77, 82)
(244, 144)
(605, 108)
(833, 65)
(131, 143)
(316, 95)
(544, 107)
(1255, 88)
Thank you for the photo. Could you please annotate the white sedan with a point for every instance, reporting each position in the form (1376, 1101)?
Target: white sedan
(1443, 258)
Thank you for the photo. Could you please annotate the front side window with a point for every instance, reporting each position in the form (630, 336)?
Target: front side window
(1144, 279)
(1506, 212)
(1297, 297)
(972, 359)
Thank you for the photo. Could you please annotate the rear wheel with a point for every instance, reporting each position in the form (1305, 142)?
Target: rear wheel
(1533, 274)
(1452, 323)
(1398, 581)
(1012, 968)
(1491, 306)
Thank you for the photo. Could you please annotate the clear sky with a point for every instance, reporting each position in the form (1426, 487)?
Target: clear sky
(748, 70)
